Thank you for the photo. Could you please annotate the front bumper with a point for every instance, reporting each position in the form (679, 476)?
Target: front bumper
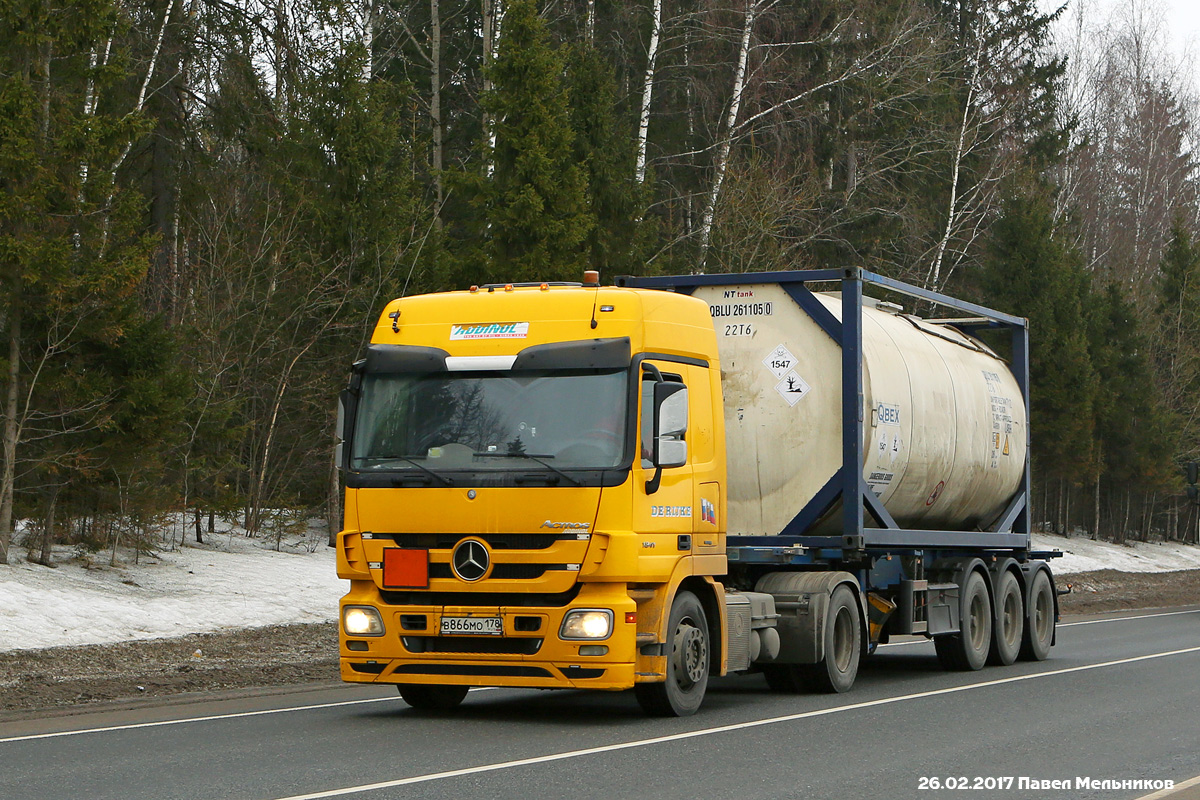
(411, 650)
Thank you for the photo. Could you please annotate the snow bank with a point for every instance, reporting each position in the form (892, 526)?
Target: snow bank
(1084, 555)
(233, 583)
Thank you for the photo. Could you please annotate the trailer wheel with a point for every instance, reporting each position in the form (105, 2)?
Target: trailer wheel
(432, 698)
(1039, 625)
(682, 692)
(1009, 625)
(968, 649)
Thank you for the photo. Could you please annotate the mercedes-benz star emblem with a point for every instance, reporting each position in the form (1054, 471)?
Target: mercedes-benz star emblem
(470, 560)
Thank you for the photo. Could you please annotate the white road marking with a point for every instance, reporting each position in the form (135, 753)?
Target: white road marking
(1176, 789)
(289, 709)
(524, 762)
(1122, 619)
(1071, 624)
(233, 715)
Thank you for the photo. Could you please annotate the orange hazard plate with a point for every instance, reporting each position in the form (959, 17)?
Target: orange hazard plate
(405, 569)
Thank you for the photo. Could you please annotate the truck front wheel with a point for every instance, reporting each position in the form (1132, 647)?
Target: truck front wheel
(432, 698)
(687, 645)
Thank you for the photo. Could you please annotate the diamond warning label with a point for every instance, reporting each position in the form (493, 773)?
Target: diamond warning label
(780, 361)
(791, 387)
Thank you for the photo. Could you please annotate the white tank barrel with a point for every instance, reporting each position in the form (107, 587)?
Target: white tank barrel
(944, 424)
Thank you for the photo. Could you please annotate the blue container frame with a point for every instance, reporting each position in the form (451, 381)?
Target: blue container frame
(1011, 531)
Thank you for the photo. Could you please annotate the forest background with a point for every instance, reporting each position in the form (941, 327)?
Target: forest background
(204, 204)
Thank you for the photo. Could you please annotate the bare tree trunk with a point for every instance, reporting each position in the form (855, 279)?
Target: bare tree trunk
(199, 533)
(648, 92)
(11, 430)
(490, 36)
(1121, 534)
(435, 107)
(589, 25)
(369, 40)
(47, 555)
(735, 105)
(1067, 512)
(935, 270)
(1096, 511)
(1060, 522)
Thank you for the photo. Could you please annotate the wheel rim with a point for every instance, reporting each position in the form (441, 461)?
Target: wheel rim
(978, 628)
(843, 639)
(1010, 618)
(690, 655)
(1041, 616)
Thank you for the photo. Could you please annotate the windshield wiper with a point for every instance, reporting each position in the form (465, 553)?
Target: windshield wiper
(538, 458)
(445, 481)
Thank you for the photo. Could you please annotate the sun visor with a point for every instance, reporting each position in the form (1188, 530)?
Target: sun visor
(582, 354)
(405, 358)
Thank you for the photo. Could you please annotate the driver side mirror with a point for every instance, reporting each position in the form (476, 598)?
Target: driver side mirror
(339, 434)
(670, 424)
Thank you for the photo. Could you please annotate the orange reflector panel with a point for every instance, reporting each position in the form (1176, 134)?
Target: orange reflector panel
(405, 569)
(631, 616)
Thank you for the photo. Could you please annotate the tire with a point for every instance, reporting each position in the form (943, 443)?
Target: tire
(432, 698)
(1039, 622)
(1008, 628)
(835, 673)
(968, 649)
(681, 694)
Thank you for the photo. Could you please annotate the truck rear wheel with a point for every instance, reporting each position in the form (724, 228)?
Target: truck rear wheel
(432, 698)
(843, 645)
(968, 649)
(1010, 620)
(843, 652)
(682, 692)
(1039, 625)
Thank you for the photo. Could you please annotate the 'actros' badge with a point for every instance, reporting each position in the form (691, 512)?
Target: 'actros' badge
(470, 560)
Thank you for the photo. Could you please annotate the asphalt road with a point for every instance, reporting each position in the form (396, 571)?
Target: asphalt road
(1119, 699)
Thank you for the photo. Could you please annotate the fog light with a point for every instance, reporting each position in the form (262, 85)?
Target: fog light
(362, 621)
(593, 650)
(587, 623)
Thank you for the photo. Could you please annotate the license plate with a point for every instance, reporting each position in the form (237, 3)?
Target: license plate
(490, 626)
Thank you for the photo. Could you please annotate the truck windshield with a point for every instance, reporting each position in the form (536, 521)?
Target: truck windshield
(567, 419)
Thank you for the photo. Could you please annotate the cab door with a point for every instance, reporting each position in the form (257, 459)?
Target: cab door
(664, 511)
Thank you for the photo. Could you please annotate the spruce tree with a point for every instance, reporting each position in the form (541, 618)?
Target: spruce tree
(1029, 271)
(535, 201)
(607, 154)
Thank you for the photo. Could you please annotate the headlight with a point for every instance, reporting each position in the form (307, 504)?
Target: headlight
(362, 621)
(587, 623)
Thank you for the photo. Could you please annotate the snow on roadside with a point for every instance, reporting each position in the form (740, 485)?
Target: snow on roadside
(1085, 555)
(232, 583)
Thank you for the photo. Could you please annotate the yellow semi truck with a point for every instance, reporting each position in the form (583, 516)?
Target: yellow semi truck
(642, 485)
